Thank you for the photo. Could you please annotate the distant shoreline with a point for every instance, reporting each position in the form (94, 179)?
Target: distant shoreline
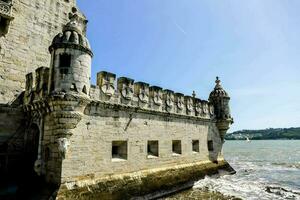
(258, 139)
(266, 134)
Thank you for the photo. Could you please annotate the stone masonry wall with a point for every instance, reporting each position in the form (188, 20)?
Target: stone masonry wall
(25, 47)
(90, 150)
(11, 122)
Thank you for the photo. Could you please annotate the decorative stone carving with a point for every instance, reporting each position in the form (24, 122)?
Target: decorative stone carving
(168, 97)
(105, 81)
(179, 101)
(211, 110)
(156, 96)
(198, 107)
(205, 108)
(125, 88)
(141, 90)
(189, 103)
(5, 7)
(63, 144)
(39, 167)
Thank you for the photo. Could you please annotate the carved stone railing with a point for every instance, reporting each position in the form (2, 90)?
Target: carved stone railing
(5, 8)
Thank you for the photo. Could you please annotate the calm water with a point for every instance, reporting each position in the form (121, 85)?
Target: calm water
(265, 170)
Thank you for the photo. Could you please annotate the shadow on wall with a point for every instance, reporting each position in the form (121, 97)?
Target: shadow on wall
(213, 152)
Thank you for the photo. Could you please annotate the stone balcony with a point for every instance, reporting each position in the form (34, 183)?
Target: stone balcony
(5, 8)
(5, 15)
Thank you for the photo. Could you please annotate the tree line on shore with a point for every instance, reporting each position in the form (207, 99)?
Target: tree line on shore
(266, 134)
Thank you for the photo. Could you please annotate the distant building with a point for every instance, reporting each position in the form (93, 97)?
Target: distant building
(116, 140)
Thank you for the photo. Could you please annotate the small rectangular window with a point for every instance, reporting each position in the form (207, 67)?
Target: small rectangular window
(176, 147)
(119, 150)
(64, 63)
(152, 148)
(3, 25)
(195, 144)
(210, 145)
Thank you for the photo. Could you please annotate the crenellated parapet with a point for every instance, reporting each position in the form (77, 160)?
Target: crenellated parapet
(125, 92)
(36, 86)
(141, 91)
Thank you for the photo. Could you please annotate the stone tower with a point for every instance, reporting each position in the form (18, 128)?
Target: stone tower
(27, 28)
(70, 70)
(220, 99)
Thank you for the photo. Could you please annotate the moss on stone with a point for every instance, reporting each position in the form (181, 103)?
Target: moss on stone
(142, 183)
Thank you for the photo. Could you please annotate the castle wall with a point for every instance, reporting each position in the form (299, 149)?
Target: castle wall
(11, 122)
(25, 46)
(90, 168)
(90, 150)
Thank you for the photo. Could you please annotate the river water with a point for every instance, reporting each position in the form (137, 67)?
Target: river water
(266, 170)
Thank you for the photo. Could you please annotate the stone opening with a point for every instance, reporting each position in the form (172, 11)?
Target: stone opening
(4, 23)
(210, 145)
(195, 144)
(152, 148)
(84, 90)
(73, 87)
(5, 16)
(119, 150)
(64, 63)
(176, 147)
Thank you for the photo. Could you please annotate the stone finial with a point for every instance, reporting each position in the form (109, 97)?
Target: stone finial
(194, 94)
(73, 35)
(218, 90)
(218, 81)
(74, 23)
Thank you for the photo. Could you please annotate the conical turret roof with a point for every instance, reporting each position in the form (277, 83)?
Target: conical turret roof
(72, 36)
(218, 90)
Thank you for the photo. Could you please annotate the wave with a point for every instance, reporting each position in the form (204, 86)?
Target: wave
(288, 165)
(246, 189)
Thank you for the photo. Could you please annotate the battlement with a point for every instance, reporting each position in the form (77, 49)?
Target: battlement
(125, 92)
(36, 85)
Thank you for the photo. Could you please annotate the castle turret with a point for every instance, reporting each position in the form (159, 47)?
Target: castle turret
(220, 100)
(71, 59)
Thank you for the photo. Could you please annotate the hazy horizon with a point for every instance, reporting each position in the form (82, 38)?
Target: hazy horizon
(253, 46)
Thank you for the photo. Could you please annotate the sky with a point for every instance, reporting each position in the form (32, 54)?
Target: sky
(182, 45)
